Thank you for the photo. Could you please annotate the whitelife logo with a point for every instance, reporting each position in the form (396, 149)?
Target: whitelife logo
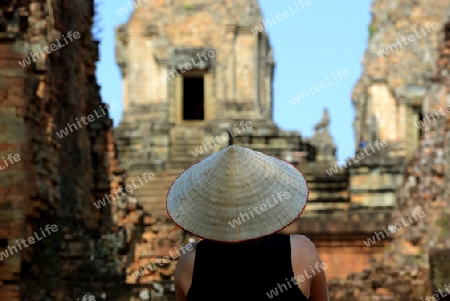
(165, 260)
(207, 146)
(90, 118)
(87, 298)
(393, 228)
(11, 158)
(12, 249)
(319, 87)
(53, 47)
(108, 197)
(406, 40)
(436, 297)
(187, 66)
(262, 207)
(360, 155)
(319, 267)
(126, 8)
(431, 117)
(284, 15)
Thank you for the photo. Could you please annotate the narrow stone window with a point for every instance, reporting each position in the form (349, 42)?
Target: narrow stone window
(193, 97)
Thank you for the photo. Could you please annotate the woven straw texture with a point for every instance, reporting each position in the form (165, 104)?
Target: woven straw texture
(228, 185)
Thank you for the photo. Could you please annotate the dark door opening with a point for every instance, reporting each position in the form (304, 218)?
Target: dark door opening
(420, 134)
(193, 98)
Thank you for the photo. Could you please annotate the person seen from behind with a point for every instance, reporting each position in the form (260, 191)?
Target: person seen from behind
(237, 200)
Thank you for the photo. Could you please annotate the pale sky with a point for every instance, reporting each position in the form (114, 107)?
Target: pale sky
(318, 49)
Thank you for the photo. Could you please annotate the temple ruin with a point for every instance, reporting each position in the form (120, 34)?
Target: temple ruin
(196, 79)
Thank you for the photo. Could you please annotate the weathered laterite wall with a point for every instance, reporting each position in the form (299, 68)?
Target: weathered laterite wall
(57, 179)
(416, 263)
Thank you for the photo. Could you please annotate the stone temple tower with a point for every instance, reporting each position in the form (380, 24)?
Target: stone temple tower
(192, 72)
(197, 77)
(195, 80)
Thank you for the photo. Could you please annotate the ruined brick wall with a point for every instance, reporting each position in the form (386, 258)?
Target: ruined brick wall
(413, 267)
(399, 61)
(57, 178)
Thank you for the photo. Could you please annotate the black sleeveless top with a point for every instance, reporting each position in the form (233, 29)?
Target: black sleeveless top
(247, 271)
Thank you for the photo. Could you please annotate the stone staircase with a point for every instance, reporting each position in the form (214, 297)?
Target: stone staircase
(184, 141)
(152, 195)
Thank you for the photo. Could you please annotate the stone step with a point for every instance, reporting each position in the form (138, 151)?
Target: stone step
(163, 187)
(186, 158)
(156, 212)
(329, 186)
(189, 145)
(187, 141)
(341, 195)
(152, 183)
(186, 153)
(186, 149)
(149, 193)
(156, 202)
(180, 164)
(186, 144)
(187, 135)
(158, 174)
(152, 193)
(311, 206)
(152, 179)
(184, 161)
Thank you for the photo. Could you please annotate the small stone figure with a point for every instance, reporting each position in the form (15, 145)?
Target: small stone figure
(323, 124)
(322, 140)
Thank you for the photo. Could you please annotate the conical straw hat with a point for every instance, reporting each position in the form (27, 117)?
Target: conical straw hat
(237, 194)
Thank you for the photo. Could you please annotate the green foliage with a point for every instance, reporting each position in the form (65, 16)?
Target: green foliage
(418, 260)
(187, 6)
(444, 224)
(372, 30)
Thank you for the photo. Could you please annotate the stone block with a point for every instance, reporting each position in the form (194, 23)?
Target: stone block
(11, 128)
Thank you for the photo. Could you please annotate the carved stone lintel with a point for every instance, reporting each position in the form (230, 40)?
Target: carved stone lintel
(197, 57)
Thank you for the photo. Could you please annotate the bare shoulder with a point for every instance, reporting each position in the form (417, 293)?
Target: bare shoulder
(300, 239)
(304, 247)
(302, 242)
(305, 257)
(188, 252)
(184, 270)
(187, 258)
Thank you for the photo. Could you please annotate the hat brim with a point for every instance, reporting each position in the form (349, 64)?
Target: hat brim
(199, 203)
